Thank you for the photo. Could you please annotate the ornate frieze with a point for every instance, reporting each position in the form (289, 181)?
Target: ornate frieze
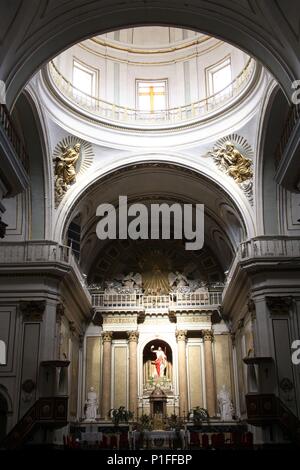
(33, 310)
(279, 305)
(193, 318)
(118, 320)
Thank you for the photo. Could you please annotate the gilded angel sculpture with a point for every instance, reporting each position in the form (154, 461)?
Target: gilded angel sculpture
(65, 163)
(65, 170)
(229, 159)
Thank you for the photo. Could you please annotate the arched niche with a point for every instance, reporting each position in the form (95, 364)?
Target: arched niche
(151, 379)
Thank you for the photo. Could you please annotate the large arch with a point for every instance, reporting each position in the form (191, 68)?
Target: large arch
(67, 209)
(274, 113)
(34, 32)
(30, 124)
(156, 181)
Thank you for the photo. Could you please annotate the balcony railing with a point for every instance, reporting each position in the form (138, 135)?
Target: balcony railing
(12, 135)
(270, 247)
(262, 249)
(175, 300)
(292, 119)
(12, 253)
(192, 112)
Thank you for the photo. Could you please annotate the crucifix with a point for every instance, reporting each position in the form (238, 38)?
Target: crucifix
(152, 93)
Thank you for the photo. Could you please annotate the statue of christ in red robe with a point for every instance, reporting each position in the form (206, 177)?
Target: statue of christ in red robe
(160, 361)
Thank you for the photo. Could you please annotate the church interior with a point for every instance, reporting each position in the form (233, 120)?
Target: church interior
(140, 343)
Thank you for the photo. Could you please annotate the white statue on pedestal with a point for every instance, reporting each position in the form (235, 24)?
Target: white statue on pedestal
(91, 405)
(225, 405)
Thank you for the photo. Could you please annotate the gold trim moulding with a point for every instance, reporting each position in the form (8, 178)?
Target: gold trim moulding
(137, 50)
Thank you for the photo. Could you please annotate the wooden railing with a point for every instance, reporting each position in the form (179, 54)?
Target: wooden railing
(266, 408)
(49, 411)
(11, 133)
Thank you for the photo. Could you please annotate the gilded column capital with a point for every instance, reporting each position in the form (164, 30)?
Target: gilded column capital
(133, 336)
(107, 336)
(207, 335)
(33, 310)
(181, 335)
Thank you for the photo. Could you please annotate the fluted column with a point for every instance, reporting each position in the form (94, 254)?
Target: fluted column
(106, 374)
(209, 373)
(182, 373)
(133, 339)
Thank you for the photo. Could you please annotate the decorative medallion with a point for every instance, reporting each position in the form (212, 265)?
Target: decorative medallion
(28, 386)
(234, 156)
(71, 157)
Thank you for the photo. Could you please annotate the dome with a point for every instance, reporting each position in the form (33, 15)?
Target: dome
(152, 76)
(150, 39)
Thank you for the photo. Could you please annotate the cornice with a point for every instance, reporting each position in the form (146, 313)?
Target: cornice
(130, 61)
(123, 46)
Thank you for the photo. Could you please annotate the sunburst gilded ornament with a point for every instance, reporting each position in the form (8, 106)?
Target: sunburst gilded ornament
(234, 156)
(71, 157)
